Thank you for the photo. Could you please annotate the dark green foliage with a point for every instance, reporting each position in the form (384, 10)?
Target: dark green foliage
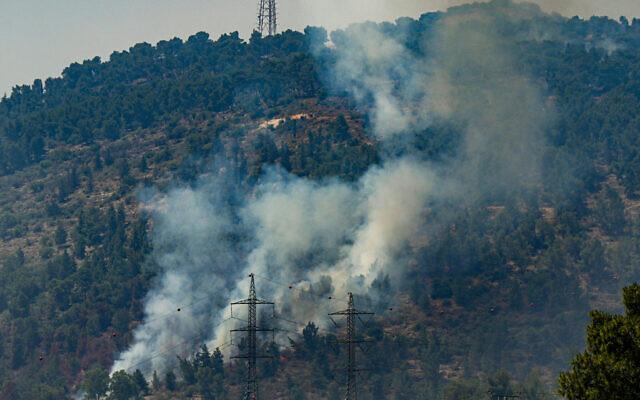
(155, 382)
(340, 128)
(122, 386)
(204, 373)
(170, 381)
(8, 224)
(610, 213)
(143, 166)
(60, 236)
(96, 383)
(499, 284)
(52, 209)
(217, 362)
(187, 372)
(143, 86)
(141, 382)
(203, 358)
(498, 384)
(67, 184)
(310, 337)
(610, 366)
(67, 307)
(14, 261)
(207, 385)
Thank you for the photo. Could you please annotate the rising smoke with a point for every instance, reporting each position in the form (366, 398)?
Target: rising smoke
(329, 237)
(196, 249)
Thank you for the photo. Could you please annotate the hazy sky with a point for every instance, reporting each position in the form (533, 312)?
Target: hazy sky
(38, 38)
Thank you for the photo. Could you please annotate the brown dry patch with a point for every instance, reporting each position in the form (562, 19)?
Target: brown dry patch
(548, 214)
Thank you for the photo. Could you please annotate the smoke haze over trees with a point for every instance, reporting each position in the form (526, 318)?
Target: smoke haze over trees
(472, 170)
(462, 72)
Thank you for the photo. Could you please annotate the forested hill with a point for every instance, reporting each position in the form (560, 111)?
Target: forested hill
(507, 287)
(148, 86)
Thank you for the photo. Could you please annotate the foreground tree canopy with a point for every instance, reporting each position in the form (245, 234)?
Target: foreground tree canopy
(610, 366)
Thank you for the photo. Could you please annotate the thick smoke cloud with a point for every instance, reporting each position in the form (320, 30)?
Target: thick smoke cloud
(339, 13)
(330, 237)
(504, 112)
(380, 70)
(469, 76)
(587, 8)
(196, 253)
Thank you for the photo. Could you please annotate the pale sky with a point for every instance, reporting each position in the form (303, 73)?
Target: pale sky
(39, 38)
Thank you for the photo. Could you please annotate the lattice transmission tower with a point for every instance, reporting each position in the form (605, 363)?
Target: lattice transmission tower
(351, 341)
(251, 330)
(267, 17)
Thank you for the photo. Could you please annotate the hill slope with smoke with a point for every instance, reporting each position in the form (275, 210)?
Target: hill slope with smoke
(357, 232)
(470, 176)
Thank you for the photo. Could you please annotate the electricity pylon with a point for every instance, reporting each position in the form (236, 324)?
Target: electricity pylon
(252, 329)
(351, 341)
(267, 17)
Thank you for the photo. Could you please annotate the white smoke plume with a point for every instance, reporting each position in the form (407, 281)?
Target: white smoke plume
(194, 235)
(332, 238)
(308, 240)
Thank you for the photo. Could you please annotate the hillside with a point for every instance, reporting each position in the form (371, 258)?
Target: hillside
(497, 278)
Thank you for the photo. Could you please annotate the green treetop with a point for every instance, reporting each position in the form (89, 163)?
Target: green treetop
(610, 366)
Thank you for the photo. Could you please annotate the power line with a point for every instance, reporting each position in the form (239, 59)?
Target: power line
(174, 347)
(252, 329)
(302, 325)
(351, 370)
(179, 308)
(292, 287)
(351, 313)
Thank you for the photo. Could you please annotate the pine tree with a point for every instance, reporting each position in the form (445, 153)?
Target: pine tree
(141, 382)
(218, 362)
(79, 247)
(188, 371)
(66, 265)
(108, 158)
(207, 383)
(96, 383)
(610, 366)
(138, 241)
(122, 386)
(143, 167)
(203, 358)
(97, 160)
(310, 336)
(60, 236)
(112, 222)
(155, 382)
(90, 185)
(170, 381)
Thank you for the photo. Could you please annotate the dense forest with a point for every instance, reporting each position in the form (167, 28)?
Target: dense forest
(506, 287)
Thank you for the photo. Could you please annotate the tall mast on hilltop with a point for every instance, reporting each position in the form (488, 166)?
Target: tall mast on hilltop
(267, 17)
